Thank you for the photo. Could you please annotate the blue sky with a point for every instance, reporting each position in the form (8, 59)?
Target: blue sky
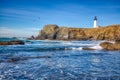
(23, 18)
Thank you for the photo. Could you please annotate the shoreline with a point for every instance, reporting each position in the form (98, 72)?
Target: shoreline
(104, 44)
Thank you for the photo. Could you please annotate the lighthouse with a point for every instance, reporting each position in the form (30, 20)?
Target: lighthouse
(95, 22)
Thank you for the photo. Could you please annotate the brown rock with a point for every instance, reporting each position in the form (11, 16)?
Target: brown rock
(48, 32)
(62, 33)
(12, 43)
(86, 48)
(117, 41)
(110, 46)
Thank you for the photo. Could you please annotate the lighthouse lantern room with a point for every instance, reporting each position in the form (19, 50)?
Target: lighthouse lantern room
(95, 22)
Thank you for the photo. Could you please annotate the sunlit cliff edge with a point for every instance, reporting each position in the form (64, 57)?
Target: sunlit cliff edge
(54, 32)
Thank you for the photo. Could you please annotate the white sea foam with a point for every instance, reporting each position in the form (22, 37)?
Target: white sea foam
(79, 48)
(77, 44)
(96, 47)
(66, 43)
(112, 42)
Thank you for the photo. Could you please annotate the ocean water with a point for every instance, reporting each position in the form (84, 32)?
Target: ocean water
(58, 60)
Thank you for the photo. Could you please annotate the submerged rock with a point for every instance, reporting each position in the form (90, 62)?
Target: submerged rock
(13, 60)
(110, 46)
(16, 59)
(12, 43)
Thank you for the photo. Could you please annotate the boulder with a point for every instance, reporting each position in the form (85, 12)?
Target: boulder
(110, 46)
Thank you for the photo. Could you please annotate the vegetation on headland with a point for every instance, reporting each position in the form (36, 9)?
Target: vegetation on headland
(53, 32)
(111, 33)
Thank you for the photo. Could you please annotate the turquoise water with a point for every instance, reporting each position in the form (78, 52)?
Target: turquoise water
(58, 60)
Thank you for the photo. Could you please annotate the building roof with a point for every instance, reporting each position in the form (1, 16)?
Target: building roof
(95, 18)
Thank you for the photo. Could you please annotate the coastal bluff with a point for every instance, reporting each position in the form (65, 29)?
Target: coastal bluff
(54, 32)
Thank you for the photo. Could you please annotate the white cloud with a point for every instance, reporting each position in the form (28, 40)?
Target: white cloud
(15, 32)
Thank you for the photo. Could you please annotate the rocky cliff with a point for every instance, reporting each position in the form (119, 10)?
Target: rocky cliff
(64, 33)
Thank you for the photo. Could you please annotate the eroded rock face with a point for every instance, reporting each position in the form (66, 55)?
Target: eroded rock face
(48, 32)
(110, 46)
(77, 34)
(64, 33)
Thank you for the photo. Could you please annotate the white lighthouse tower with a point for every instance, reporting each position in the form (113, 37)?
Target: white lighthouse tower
(95, 22)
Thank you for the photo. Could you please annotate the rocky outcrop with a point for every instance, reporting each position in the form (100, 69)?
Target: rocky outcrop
(64, 33)
(12, 43)
(31, 38)
(110, 46)
(48, 32)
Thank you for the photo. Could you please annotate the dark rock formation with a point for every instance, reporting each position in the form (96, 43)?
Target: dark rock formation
(110, 46)
(16, 59)
(86, 48)
(13, 60)
(64, 33)
(31, 38)
(12, 43)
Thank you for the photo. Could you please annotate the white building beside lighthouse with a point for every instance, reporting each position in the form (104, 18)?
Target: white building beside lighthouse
(95, 23)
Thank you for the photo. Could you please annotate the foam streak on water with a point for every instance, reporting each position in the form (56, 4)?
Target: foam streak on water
(58, 60)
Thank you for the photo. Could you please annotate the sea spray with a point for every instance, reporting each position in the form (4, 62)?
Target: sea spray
(59, 60)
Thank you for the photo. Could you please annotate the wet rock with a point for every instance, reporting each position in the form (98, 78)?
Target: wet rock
(32, 38)
(1, 61)
(110, 46)
(13, 60)
(12, 43)
(16, 59)
(86, 48)
(38, 57)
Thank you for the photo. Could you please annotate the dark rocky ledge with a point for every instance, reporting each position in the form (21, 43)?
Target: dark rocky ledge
(12, 43)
